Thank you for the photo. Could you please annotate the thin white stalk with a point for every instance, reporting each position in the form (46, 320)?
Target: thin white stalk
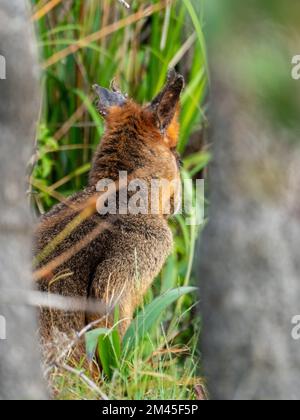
(124, 3)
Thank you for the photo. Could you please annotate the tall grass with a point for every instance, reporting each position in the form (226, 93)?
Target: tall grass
(87, 42)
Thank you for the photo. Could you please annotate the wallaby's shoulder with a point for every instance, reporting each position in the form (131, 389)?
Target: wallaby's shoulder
(61, 217)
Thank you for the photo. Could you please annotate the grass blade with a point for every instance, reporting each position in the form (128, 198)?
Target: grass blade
(150, 316)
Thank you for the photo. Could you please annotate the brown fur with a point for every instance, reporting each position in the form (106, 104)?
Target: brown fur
(121, 262)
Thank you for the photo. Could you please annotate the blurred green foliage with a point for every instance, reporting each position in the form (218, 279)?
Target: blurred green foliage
(261, 40)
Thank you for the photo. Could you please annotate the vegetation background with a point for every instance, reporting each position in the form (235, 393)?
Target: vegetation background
(93, 41)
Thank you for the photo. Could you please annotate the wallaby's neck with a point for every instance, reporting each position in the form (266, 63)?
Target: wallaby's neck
(115, 155)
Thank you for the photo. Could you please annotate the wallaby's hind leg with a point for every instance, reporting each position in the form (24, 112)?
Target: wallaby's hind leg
(131, 263)
(113, 286)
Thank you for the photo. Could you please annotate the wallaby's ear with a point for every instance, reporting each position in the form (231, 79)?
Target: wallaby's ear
(108, 98)
(165, 104)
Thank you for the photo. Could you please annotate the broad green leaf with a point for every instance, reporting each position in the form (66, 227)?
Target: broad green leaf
(145, 320)
(91, 341)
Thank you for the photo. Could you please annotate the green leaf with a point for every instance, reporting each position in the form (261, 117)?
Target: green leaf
(169, 274)
(106, 354)
(108, 345)
(198, 27)
(115, 336)
(145, 320)
(91, 341)
(46, 165)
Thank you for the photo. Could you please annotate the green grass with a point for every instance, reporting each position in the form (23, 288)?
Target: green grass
(138, 54)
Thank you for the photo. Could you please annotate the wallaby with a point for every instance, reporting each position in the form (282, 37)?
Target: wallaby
(113, 258)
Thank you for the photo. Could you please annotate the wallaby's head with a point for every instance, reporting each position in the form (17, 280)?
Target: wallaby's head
(139, 139)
